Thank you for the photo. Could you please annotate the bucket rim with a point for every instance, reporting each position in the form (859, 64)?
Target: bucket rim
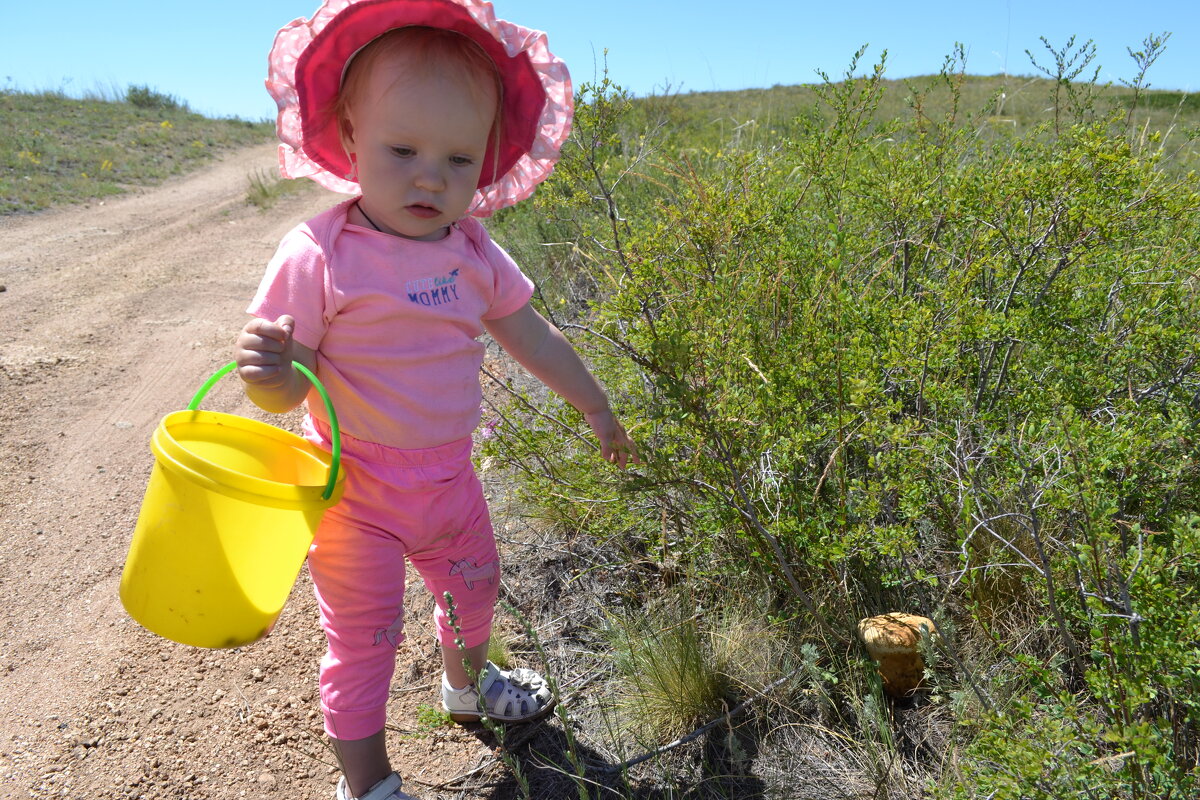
(171, 453)
(336, 452)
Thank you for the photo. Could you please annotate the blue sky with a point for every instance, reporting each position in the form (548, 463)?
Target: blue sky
(213, 55)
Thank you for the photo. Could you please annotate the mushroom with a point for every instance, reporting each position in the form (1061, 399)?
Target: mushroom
(894, 641)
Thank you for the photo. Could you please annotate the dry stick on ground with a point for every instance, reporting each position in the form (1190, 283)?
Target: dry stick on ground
(521, 736)
(703, 729)
(485, 763)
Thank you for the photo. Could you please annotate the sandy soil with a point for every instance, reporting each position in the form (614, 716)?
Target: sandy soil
(111, 315)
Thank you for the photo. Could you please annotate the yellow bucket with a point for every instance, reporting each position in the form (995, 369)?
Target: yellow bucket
(226, 522)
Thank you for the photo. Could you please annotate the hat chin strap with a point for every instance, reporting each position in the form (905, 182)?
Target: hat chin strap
(370, 221)
(479, 194)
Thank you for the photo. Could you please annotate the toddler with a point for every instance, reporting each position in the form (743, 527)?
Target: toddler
(431, 113)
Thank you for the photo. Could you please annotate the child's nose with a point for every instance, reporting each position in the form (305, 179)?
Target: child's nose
(430, 177)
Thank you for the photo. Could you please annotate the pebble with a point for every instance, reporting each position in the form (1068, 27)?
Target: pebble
(266, 779)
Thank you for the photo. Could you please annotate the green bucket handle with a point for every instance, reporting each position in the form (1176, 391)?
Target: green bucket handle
(336, 460)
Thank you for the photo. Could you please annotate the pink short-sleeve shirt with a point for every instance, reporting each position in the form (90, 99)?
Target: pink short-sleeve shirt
(394, 322)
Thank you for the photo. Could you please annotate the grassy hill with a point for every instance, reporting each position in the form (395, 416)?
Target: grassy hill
(55, 149)
(1023, 100)
(996, 106)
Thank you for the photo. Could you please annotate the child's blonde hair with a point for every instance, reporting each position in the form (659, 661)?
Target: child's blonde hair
(431, 51)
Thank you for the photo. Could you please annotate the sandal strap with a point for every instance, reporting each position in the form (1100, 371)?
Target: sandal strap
(514, 696)
(520, 677)
(526, 679)
(386, 789)
(511, 695)
(488, 677)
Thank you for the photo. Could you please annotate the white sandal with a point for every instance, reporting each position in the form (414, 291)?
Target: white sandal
(386, 789)
(517, 695)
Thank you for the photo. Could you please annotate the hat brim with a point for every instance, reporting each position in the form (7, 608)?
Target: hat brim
(308, 60)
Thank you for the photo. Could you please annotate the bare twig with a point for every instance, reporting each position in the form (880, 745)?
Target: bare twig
(486, 763)
(1035, 531)
(534, 409)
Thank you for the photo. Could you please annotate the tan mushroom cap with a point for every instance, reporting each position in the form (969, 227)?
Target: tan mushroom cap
(894, 641)
(895, 633)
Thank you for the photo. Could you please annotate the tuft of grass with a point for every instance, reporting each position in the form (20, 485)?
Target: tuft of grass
(145, 97)
(266, 189)
(673, 682)
(681, 668)
(500, 650)
(56, 150)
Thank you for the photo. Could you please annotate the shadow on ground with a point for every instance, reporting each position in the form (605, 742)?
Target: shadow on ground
(537, 762)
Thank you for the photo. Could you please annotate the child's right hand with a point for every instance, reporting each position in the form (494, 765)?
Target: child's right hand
(263, 353)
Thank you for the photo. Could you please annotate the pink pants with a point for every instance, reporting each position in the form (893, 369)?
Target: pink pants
(423, 505)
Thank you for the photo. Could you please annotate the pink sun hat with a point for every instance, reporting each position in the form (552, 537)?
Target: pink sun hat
(309, 57)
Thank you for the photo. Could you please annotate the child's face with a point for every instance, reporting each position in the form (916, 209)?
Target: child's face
(420, 142)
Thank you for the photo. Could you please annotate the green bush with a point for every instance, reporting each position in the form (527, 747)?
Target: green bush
(900, 363)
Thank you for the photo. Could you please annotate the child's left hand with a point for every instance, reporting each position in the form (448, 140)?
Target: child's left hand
(615, 445)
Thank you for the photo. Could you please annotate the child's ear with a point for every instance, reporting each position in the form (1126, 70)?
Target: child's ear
(346, 133)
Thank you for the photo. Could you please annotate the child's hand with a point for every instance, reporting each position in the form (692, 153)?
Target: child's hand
(615, 444)
(264, 353)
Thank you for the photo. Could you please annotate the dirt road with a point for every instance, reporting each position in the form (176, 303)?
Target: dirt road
(112, 314)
